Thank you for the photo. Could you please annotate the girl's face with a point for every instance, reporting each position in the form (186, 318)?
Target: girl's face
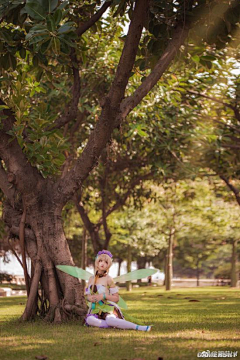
(102, 265)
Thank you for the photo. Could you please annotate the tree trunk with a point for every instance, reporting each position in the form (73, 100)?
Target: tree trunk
(84, 253)
(60, 295)
(169, 262)
(119, 267)
(129, 262)
(198, 273)
(165, 269)
(141, 264)
(234, 264)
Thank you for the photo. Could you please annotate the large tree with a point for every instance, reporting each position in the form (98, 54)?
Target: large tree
(43, 59)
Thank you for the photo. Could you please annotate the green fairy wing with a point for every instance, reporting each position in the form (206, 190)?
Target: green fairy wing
(121, 303)
(135, 275)
(75, 271)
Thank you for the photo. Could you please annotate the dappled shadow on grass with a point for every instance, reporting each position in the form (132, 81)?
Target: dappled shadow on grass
(12, 301)
(180, 330)
(72, 342)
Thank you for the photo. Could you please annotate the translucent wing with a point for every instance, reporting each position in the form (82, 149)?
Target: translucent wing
(75, 271)
(136, 274)
(121, 303)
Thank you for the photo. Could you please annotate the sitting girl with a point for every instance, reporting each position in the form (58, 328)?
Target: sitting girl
(102, 294)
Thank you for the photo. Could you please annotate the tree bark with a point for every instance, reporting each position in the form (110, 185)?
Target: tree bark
(129, 262)
(47, 247)
(198, 273)
(84, 253)
(234, 264)
(141, 264)
(165, 269)
(119, 267)
(169, 262)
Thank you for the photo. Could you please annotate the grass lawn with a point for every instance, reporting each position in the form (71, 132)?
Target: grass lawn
(181, 328)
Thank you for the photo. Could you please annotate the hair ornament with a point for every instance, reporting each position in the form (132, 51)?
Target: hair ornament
(104, 252)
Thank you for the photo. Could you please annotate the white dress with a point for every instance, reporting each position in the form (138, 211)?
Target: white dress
(100, 312)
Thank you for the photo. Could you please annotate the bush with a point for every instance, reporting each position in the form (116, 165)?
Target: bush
(5, 277)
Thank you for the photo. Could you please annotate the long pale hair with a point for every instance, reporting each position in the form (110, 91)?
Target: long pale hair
(101, 257)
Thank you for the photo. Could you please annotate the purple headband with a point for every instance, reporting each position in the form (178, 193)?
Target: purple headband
(104, 252)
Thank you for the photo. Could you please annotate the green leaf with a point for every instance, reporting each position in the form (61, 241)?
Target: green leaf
(196, 58)
(57, 16)
(37, 35)
(63, 5)
(12, 61)
(2, 107)
(208, 57)
(67, 27)
(35, 61)
(49, 5)
(56, 45)
(22, 53)
(71, 44)
(35, 10)
(51, 23)
(142, 133)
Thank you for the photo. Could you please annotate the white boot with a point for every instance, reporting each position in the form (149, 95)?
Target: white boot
(113, 321)
(94, 321)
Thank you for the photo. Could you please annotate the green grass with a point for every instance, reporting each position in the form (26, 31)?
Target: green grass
(181, 328)
(13, 286)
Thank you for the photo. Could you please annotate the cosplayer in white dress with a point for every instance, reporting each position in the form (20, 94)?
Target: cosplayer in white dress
(105, 306)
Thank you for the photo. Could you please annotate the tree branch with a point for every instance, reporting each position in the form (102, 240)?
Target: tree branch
(22, 245)
(28, 233)
(84, 27)
(72, 153)
(104, 217)
(72, 108)
(27, 177)
(211, 98)
(132, 101)
(129, 52)
(72, 181)
(231, 187)
(121, 201)
(87, 222)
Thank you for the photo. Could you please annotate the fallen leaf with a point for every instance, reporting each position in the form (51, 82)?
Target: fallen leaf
(41, 357)
(96, 344)
(187, 298)
(159, 295)
(193, 300)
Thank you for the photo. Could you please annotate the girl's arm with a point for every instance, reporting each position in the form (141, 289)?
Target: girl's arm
(114, 297)
(113, 289)
(87, 294)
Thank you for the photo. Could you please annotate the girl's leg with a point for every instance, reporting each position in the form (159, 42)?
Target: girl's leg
(94, 321)
(113, 321)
